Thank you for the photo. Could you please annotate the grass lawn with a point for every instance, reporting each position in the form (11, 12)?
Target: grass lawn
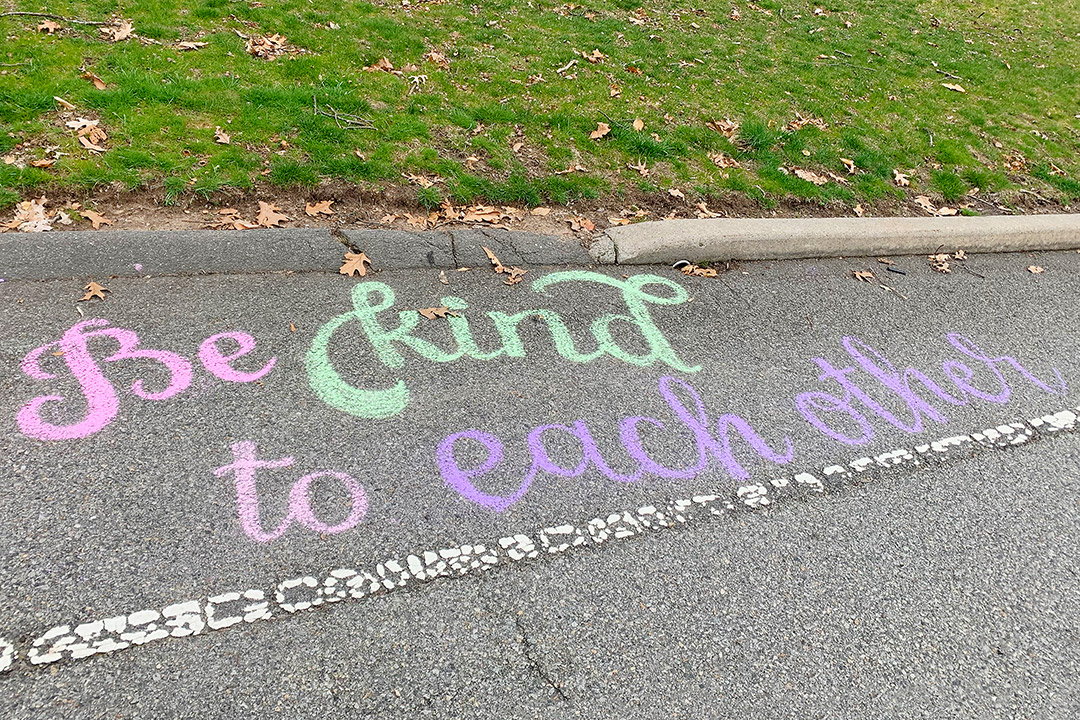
(495, 102)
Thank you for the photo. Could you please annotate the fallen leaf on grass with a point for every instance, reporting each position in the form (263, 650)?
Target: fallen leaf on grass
(1035, 269)
(570, 169)
(639, 124)
(190, 45)
(436, 312)
(221, 137)
(270, 215)
(96, 219)
(353, 264)
(863, 275)
(42, 163)
(725, 127)
(850, 165)
(810, 176)
(601, 130)
(320, 208)
(94, 290)
(901, 179)
(721, 160)
(63, 103)
(436, 57)
(594, 57)
(641, 168)
(514, 272)
(98, 82)
(382, 65)
(122, 30)
(800, 122)
(48, 27)
(267, 47)
(954, 88)
(676, 193)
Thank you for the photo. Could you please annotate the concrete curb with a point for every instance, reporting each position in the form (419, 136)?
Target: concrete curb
(119, 253)
(85, 254)
(787, 238)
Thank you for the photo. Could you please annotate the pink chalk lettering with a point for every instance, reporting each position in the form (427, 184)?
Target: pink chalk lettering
(98, 392)
(220, 365)
(243, 468)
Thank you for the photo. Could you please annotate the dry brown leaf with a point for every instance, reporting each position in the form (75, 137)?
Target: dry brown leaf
(514, 273)
(885, 261)
(122, 30)
(30, 216)
(577, 224)
(735, 14)
(639, 124)
(94, 290)
(725, 127)
(381, 65)
(954, 88)
(319, 208)
(940, 262)
(81, 124)
(353, 264)
(721, 160)
(436, 57)
(267, 47)
(810, 176)
(859, 210)
(601, 130)
(705, 212)
(436, 312)
(901, 179)
(960, 255)
(48, 27)
(190, 45)
(633, 69)
(96, 219)
(924, 202)
(697, 271)
(641, 168)
(221, 137)
(614, 90)
(541, 211)
(270, 215)
(63, 103)
(863, 275)
(676, 193)
(618, 221)
(1035, 269)
(850, 165)
(98, 82)
(594, 57)
(42, 163)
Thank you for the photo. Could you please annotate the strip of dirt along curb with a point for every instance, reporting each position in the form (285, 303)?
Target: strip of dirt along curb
(783, 238)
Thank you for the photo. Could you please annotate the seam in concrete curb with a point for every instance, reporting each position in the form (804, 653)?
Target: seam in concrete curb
(790, 238)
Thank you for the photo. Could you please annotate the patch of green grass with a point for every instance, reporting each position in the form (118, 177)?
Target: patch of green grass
(871, 71)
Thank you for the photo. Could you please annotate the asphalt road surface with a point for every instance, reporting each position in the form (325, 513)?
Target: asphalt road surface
(622, 493)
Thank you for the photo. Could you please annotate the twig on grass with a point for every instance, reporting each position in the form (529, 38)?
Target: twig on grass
(54, 16)
(351, 121)
(948, 75)
(842, 64)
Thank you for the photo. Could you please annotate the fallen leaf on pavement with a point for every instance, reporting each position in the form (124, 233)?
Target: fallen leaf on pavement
(221, 137)
(320, 208)
(270, 215)
(94, 290)
(514, 272)
(960, 255)
(863, 275)
(98, 82)
(885, 261)
(1035, 269)
(601, 130)
(353, 264)
(436, 312)
(697, 271)
(940, 262)
(442, 277)
(96, 219)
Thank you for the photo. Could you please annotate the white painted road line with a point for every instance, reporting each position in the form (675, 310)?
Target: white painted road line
(292, 595)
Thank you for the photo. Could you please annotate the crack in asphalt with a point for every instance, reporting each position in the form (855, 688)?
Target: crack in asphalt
(529, 650)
